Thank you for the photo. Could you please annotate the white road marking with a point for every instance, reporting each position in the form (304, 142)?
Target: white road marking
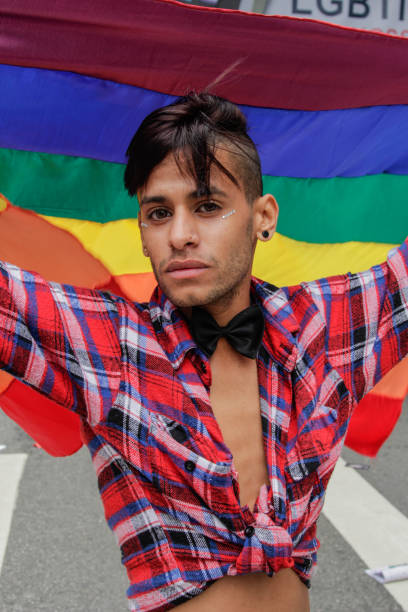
(11, 470)
(375, 529)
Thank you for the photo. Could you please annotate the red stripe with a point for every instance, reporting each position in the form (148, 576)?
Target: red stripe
(56, 429)
(166, 46)
(373, 421)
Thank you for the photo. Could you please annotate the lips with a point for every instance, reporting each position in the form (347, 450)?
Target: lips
(187, 268)
(186, 264)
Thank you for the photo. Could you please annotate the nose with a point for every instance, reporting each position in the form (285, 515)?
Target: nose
(183, 230)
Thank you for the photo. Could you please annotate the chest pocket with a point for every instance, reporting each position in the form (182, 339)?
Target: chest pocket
(181, 463)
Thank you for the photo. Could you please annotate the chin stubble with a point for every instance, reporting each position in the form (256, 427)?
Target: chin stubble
(228, 283)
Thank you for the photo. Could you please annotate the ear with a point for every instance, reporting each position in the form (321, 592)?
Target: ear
(266, 211)
(139, 222)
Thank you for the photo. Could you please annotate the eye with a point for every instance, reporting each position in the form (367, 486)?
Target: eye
(158, 214)
(208, 207)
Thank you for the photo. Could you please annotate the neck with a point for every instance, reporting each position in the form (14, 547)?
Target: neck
(226, 308)
(229, 305)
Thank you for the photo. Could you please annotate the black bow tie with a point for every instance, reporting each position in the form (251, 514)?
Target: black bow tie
(244, 332)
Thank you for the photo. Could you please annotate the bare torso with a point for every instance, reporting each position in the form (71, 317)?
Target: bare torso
(253, 593)
(235, 403)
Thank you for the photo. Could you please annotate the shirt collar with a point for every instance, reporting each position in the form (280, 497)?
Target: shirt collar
(281, 325)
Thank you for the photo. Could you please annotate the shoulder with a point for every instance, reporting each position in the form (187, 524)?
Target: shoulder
(293, 301)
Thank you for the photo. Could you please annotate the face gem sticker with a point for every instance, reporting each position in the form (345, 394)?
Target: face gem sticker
(229, 214)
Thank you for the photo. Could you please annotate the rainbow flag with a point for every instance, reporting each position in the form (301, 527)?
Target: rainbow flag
(326, 106)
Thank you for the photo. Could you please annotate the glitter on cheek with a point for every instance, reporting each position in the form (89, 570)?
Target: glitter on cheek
(143, 224)
(229, 214)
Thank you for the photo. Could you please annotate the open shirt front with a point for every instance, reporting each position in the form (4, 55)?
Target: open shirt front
(141, 387)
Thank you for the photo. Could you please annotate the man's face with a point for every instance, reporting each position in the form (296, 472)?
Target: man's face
(201, 251)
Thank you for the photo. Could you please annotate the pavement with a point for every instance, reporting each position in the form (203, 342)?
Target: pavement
(58, 555)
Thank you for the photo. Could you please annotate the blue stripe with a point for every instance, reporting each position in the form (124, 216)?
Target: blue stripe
(71, 114)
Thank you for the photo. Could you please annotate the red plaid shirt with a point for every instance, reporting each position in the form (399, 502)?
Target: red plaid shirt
(141, 385)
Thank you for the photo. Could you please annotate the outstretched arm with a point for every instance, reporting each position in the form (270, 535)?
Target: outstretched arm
(366, 318)
(61, 340)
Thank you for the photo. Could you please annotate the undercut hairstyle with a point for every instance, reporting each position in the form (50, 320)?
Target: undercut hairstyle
(193, 128)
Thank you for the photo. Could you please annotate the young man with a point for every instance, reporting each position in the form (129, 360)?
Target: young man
(214, 414)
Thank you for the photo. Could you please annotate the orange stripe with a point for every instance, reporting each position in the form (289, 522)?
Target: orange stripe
(395, 383)
(5, 380)
(137, 287)
(33, 243)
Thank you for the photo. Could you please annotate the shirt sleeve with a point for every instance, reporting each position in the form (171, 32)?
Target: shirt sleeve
(61, 340)
(366, 320)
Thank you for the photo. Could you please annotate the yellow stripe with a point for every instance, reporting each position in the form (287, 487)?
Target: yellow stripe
(282, 261)
(116, 244)
(3, 203)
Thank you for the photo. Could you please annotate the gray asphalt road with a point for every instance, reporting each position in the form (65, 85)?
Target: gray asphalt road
(61, 556)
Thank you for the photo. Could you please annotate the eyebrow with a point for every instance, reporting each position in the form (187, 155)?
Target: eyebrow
(213, 190)
(160, 199)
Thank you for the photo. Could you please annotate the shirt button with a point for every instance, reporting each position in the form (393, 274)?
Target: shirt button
(249, 531)
(189, 465)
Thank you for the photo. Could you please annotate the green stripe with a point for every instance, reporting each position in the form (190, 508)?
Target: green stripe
(368, 209)
(63, 186)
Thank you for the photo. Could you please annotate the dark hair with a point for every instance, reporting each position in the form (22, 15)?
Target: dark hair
(193, 127)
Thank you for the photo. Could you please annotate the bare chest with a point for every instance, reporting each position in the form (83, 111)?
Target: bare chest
(234, 396)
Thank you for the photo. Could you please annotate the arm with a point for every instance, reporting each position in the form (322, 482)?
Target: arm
(61, 340)
(366, 319)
